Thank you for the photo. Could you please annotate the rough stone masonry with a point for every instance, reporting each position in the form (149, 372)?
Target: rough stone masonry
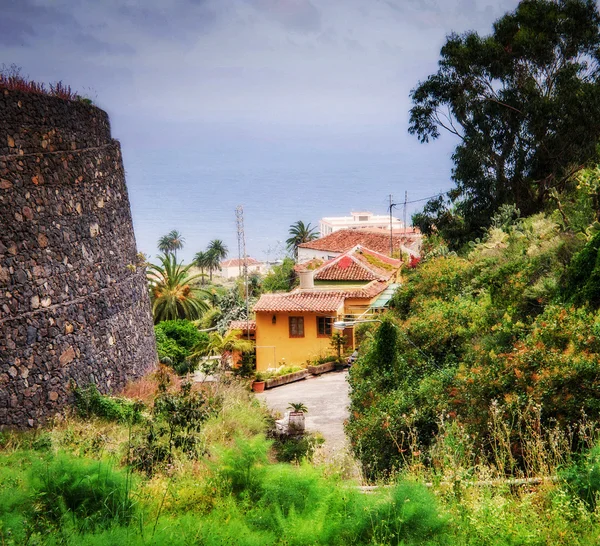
(74, 307)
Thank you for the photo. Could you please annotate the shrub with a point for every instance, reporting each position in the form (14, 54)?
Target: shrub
(583, 477)
(290, 449)
(90, 494)
(175, 340)
(90, 403)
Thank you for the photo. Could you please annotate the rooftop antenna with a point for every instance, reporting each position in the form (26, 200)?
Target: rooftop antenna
(243, 259)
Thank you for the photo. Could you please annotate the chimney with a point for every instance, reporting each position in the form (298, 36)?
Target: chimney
(307, 279)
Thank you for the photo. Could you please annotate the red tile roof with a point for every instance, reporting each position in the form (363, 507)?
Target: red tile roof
(237, 263)
(368, 291)
(358, 264)
(345, 239)
(243, 325)
(300, 301)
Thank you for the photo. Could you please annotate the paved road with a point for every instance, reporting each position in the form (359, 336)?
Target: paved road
(326, 398)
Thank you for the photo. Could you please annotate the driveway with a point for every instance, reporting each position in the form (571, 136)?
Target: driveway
(326, 398)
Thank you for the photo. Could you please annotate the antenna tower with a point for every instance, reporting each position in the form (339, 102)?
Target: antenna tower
(243, 259)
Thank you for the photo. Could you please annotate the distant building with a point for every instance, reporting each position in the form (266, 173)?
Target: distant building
(358, 220)
(230, 269)
(334, 244)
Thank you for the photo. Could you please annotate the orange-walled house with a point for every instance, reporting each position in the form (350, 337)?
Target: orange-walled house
(294, 327)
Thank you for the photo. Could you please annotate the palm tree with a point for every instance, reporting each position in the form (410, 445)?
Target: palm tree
(300, 233)
(223, 345)
(171, 242)
(213, 262)
(202, 261)
(172, 291)
(219, 248)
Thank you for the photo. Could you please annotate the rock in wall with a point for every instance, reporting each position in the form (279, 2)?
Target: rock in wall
(74, 305)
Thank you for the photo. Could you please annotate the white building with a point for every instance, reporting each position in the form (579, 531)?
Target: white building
(358, 220)
(230, 269)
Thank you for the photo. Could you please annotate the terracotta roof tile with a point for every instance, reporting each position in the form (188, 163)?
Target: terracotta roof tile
(358, 264)
(243, 325)
(237, 263)
(299, 301)
(345, 239)
(368, 291)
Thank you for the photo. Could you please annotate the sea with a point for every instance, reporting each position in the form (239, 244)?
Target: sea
(194, 183)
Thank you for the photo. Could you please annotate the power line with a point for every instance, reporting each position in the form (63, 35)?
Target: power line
(427, 198)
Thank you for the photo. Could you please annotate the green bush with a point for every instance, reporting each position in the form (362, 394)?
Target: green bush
(90, 403)
(583, 477)
(175, 340)
(87, 494)
(289, 449)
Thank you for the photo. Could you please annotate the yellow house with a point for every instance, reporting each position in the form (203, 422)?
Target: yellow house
(294, 327)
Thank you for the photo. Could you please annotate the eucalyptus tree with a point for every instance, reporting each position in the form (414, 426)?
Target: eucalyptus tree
(524, 106)
(300, 233)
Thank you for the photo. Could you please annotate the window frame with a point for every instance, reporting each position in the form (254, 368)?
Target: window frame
(328, 321)
(298, 321)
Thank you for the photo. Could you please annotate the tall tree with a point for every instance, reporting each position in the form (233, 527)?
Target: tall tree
(202, 261)
(171, 242)
(173, 292)
(524, 103)
(215, 252)
(300, 233)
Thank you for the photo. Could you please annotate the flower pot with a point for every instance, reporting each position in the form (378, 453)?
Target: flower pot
(296, 422)
(258, 386)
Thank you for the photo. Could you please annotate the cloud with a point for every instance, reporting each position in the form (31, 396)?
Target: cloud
(295, 15)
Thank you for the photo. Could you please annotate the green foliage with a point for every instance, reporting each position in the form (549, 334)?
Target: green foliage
(173, 292)
(290, 449)
(300, 233)
(583, 477)
(243, 465)
(175, 340)
(582, 278)
(86, 494)
(282, 278)
(175, 426)
(89, 402)
(247, 367)
(171, 242)
(484, 341)
(538, 69)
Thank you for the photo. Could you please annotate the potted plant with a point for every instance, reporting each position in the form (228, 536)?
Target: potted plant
(258, 385)
(296, 422)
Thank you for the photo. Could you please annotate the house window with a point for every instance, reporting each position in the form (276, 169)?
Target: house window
(363, 218)
(296, 326)
(324, 325)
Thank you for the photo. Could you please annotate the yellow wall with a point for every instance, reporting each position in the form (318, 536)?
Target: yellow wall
(274, 345)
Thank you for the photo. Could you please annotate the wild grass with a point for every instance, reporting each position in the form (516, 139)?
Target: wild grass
(74, 484)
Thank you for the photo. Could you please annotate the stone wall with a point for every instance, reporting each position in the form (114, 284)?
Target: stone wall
(73, 304)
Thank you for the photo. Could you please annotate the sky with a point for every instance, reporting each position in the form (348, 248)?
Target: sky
(295, 109)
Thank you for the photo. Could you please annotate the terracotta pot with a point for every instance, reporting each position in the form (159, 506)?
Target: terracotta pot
(258, 386)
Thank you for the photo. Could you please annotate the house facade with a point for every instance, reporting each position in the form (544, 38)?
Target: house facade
(232, 269)
(358, 220)
(296, 327)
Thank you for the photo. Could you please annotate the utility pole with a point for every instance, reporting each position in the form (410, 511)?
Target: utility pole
(405, 201)
(392, 205)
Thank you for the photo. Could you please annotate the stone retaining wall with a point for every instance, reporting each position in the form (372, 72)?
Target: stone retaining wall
(73, 302)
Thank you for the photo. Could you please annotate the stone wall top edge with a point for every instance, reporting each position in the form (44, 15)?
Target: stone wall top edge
(36, 123)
